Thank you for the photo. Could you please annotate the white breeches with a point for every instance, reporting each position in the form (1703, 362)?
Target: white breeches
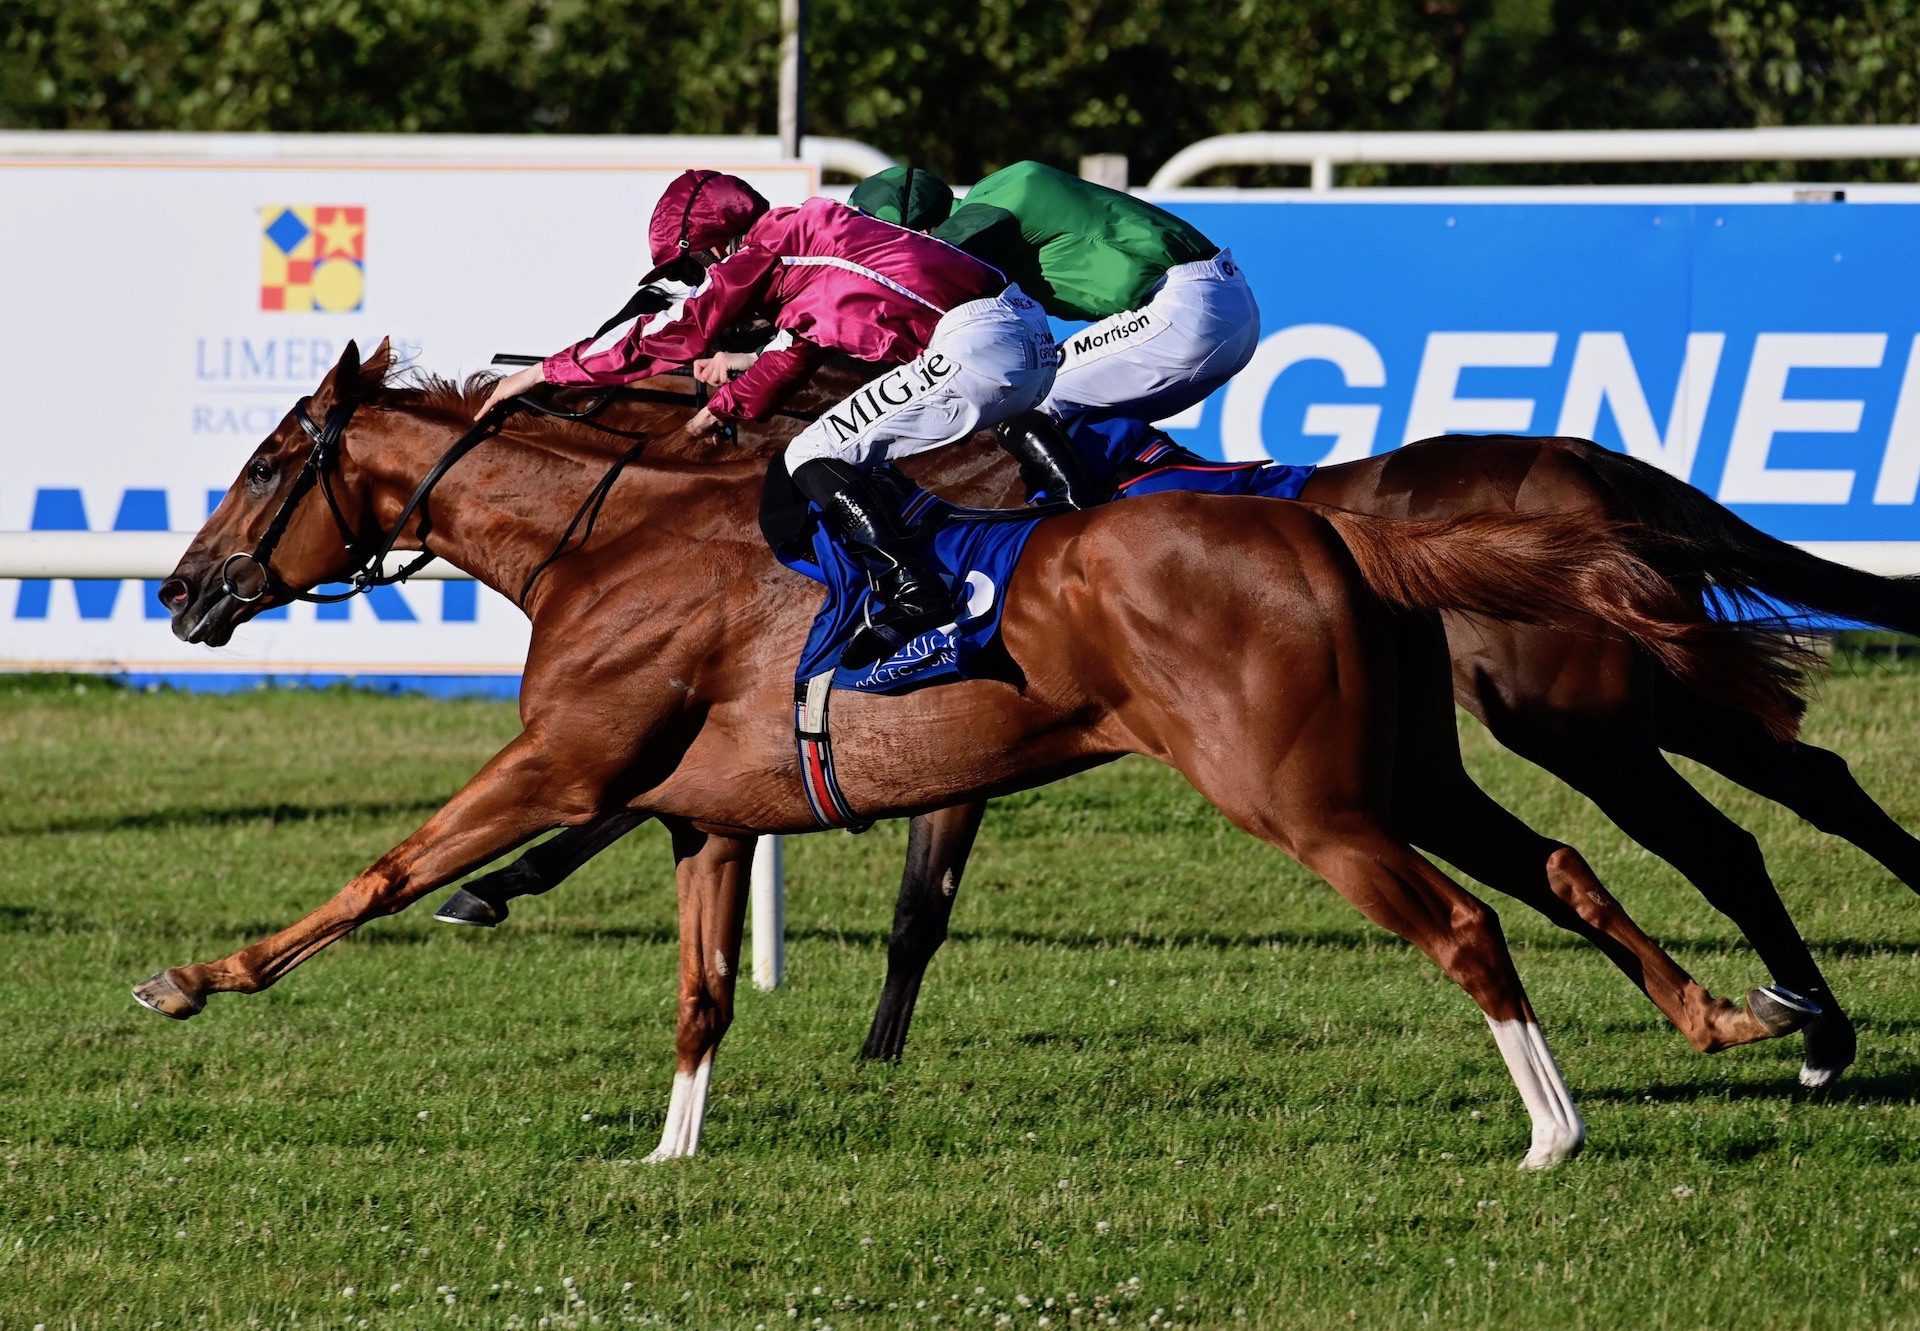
(1198, 329)
(987, 360)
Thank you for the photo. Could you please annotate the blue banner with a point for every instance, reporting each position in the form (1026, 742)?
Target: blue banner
(1768, 353)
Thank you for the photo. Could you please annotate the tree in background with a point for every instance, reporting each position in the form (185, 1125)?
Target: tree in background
(964, 89)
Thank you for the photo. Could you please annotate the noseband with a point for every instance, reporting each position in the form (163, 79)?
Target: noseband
(368, 572)
(322, 462)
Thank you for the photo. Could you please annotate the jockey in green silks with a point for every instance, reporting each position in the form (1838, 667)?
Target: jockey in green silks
(1170, 315)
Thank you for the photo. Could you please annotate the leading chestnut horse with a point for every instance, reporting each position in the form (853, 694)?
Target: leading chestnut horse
(1245, 643)
(1589, 707)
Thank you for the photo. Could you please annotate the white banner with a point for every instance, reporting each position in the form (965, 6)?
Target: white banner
(161, 317)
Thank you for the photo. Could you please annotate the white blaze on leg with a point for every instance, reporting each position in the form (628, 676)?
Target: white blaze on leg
(1558, 1133)
(686, 1113)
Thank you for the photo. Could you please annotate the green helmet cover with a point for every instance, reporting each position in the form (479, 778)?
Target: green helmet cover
(905, 196)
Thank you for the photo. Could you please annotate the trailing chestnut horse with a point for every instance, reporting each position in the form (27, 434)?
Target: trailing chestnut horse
(1586, 705)
(1593, 710)
(1244, 643)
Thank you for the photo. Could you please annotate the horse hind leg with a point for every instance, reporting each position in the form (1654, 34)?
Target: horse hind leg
(711, 873)
(1443, 811)
(1815, 783)
(1636, 787)
(938, 845)
(1311, 799)
(1313, 815)
(541, 868)
(1398, 889)
(1295, 744)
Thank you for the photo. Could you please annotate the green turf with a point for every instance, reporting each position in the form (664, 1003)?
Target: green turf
(1160, 1077)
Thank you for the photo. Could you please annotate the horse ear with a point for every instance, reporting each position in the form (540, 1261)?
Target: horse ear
(341, 380)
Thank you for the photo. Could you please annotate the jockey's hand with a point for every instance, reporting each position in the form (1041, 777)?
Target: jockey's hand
(704, 423)
(512, 387)
(716, 370)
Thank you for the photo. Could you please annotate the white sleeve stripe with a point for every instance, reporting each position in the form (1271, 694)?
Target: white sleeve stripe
(949, 244)
(834, 261)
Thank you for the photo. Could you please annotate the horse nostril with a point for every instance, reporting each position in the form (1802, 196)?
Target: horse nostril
(175, 593)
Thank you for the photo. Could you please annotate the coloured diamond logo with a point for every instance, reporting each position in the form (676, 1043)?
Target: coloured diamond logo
(313, 257)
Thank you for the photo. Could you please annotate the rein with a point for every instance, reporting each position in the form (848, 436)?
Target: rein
(368, 571)
(319, 469)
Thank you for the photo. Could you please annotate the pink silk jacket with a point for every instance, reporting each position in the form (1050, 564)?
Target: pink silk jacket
(834, 277)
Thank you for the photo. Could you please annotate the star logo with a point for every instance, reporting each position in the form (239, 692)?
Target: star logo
(313, 257)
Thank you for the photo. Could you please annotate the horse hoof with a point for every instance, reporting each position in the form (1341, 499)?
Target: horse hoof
(164, 995)
(1781, 1010)
(1831, 1047)
(1561, 1147)
(463, 907)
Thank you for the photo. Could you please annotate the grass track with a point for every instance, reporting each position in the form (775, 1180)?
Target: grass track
(1160, 1074)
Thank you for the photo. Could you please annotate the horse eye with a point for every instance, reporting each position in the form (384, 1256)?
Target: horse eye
(259, 471)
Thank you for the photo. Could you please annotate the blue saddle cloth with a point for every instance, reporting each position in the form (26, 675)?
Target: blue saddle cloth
(974, 553)
(1265, 480)
(1114, 446)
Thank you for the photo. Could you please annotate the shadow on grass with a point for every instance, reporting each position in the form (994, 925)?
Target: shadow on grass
(1358, 939)
(1172, 941)
(1898, 1087)
(201, 816)
(33, 920)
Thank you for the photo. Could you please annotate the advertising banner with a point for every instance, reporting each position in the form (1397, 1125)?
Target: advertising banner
(161, 318)
(1767, 353)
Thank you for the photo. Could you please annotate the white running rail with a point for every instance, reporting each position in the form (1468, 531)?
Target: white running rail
(848, 157)
(1322, 153)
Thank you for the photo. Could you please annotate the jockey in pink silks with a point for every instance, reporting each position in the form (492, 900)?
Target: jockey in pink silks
(971, 351)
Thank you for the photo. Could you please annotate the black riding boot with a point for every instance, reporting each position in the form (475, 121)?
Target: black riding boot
(913, 598)
(1047, 459)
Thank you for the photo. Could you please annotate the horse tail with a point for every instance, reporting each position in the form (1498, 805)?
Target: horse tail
(1743, 563)
(1576, 573)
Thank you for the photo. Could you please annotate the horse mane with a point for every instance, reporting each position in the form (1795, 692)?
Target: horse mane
(388, 380)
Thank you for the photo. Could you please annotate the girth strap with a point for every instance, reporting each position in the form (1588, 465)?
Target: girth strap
(815, 744)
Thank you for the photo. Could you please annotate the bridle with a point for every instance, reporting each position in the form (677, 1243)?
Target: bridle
(370, 556)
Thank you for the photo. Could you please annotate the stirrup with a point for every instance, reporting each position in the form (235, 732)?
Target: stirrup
(877, 639)
(874, 642)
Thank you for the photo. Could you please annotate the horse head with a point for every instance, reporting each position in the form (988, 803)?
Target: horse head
(289, 521)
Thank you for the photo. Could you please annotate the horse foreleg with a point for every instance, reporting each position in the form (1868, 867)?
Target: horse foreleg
(1453, 818)
(523, 790)
(938, 844)
(1815, 783)
(711, 873)
(540, 869)
(1635, 786)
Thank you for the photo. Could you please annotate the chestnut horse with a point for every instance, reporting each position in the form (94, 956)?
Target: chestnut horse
(659, 679)
(1589, 707)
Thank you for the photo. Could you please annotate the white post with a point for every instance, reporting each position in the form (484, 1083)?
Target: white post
(793, 76)
(1109, 169)
(767, 896)
(1321, 177)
